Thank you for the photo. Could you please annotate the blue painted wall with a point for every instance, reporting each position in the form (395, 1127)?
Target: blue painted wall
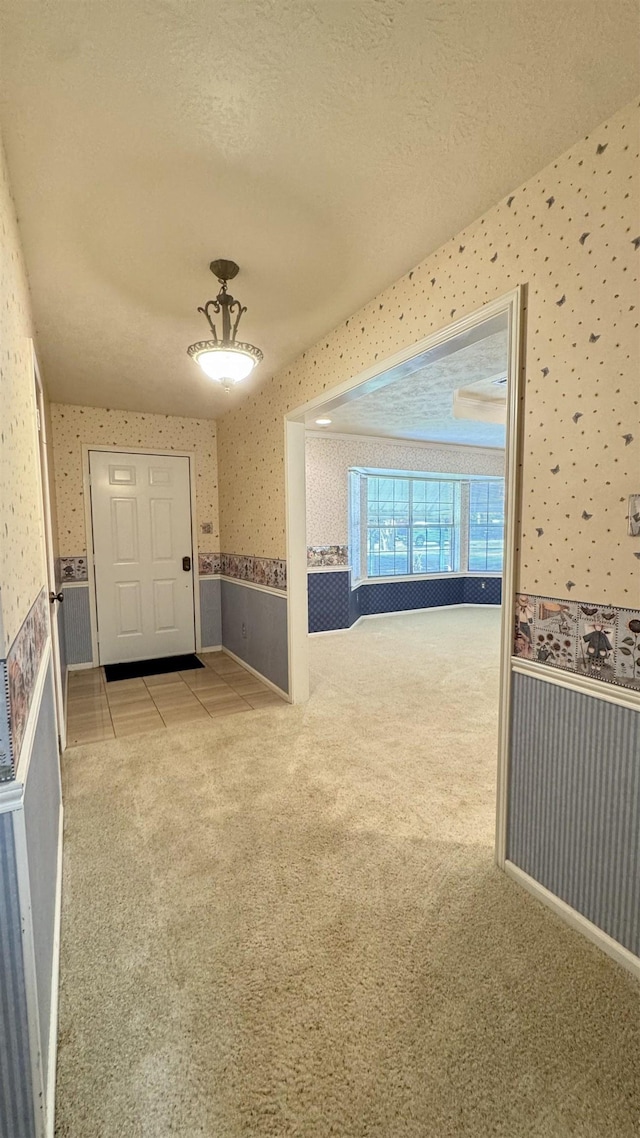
(333, 604)
(77, 624)
(264, 617)
(210, 612)
(329, 600)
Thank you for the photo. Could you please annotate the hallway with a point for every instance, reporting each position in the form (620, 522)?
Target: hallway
(289, 922)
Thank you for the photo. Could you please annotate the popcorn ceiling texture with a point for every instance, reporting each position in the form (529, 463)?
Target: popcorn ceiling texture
(327, 465)
(74, 427)
(571, 235)
(22, 571)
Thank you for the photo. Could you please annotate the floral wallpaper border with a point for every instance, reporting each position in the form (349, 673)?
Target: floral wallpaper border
(268, 571)
(327, 555)
(23, 662)
(7, 770)
(601, 641)
(72, 569)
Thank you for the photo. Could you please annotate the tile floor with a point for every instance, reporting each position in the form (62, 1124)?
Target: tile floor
(97, 710)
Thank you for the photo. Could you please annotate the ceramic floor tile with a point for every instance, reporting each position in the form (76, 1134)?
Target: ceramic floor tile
(126, 685)
(174, 715)
(139, 724)
(218, 698)
(246, 684)
(162, 679)
(130, 701)
(206, 678)
(227, 701)
(225, 666)
(96, 734)
(264, 699)
(164, 698)
(229, 709)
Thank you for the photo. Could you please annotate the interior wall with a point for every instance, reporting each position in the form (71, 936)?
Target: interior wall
(570, 236)
(74, 427)
(328, 460)
(22, 570)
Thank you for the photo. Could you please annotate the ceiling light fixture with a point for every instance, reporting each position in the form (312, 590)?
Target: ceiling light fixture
(323, 422)
(225, 360)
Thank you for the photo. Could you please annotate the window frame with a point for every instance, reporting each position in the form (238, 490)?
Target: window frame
(461, 526)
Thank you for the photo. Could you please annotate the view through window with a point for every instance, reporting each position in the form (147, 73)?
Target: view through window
(404, 526)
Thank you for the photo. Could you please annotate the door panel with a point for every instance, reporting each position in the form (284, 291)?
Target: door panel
(141, 514)
(128, 608)
(162, 530)
(124, 530)
(164, 605)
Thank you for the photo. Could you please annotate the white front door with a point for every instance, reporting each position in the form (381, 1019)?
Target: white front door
(142, 541)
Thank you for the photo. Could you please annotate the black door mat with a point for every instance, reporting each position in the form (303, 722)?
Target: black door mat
(136, 668)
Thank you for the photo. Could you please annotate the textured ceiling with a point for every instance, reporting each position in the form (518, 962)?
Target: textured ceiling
(326, 146)
(419, 406)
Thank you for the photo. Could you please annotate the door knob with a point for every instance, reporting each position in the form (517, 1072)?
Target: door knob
(53, 597)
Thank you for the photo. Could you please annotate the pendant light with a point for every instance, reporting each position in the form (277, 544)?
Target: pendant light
(225, 360)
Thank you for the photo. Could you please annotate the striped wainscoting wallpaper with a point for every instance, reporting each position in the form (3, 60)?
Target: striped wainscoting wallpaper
(77, 624)
(16, 1102)
(574, 802)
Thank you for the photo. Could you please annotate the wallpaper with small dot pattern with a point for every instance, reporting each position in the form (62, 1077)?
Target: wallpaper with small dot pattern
(571, 235)
(74, 427)
(327, 475)
(22, 572)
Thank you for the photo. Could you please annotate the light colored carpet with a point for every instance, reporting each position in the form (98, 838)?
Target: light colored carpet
(288, 923)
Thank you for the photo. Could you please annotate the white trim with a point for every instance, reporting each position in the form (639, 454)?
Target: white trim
(11, 796)
(328, 569)
(88, 523)
(600, 689)
(430, 577)
(411, 444)
(30, 974)
(513, 439)
(74, 584)
(82, 667)
(575, 919)
(209, 576)
(48, 548)
(252, 585)
(24, 759)
(257, 674)
(334, 631)
(210, 648)
(52, 1054)
(296, 552)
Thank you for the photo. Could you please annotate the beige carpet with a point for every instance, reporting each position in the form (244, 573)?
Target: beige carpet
(288, 923)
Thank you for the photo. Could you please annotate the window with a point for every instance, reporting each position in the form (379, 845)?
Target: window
(413, 525)
(404, 525)
(486, 526)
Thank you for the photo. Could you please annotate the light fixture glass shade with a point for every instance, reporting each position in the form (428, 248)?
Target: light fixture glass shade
(225, 364)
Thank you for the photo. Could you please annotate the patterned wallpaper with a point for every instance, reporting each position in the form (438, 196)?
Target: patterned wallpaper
(21, 547)
(572, 236)
(328, 461)
(75, 426)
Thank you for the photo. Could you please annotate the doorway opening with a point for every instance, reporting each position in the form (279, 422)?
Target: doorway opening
(419, 457)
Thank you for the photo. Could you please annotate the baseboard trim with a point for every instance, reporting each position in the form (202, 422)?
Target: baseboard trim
(257, 674)
(210, 648)
(82, 667)
(575, 919)
(55, 982)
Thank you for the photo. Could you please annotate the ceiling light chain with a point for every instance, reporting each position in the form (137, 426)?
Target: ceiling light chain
(225, 360)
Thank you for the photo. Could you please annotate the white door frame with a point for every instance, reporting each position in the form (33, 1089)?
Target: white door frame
(294, 426)
(42, 464)
(88, 521)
